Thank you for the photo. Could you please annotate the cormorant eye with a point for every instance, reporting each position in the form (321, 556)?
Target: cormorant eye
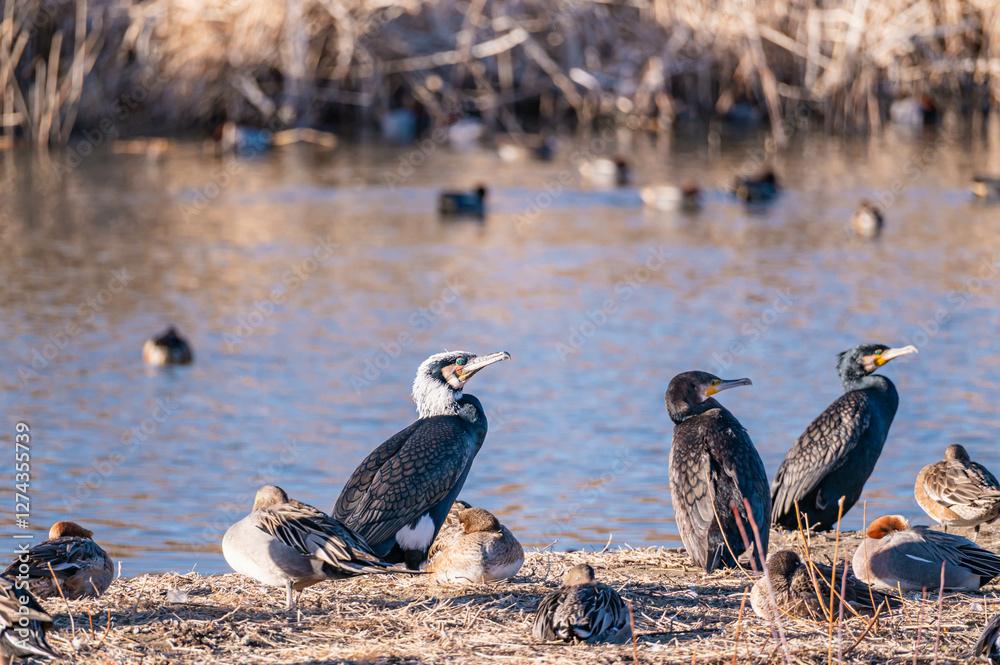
(879, 352)
(461, 361)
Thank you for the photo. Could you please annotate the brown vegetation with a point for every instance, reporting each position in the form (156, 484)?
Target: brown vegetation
(681, 615)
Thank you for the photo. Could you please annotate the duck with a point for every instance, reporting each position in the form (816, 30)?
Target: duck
(867, 220)
(582, 609)
(399, 496)
(288, 544)
(167, 349)
(23, 624)
(604, 172)
(511, 149)
(914, 112)
(896, 555)
(79, 565)
(958, 492)
(986, 187)
(761, 187)
(451, 531)
(795, 591)
(837, 453)
(988, 644)
(463, 204)
(713, 468)
(484, 551)
(686, 197)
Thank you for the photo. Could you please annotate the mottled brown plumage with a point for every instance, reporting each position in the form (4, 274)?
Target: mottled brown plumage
(483, 551)
(582, 609)
(82, 568)
(795, 590)
(22, 624)
(957, 491)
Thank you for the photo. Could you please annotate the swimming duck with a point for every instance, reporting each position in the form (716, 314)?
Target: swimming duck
(761, 187)
(957, 491)
(867, 220)
(463, 204)
(290, 544)
(399, 496)
(483, 551)
(894, 553)
(582, 609)
(837, 453)
(511, 149)
(167, 349)
(687, 197)
(988, 644)
(82, 568)
(795, 592)
(713, 467)
(985, 187)
(914, 112)
(23, 624)
(604, 172)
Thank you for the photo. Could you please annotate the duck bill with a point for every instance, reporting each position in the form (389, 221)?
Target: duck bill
(889, 354)
(726, 385)
(465, 372)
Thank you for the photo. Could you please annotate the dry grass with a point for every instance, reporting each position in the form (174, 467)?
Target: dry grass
(161, 64)
(681, 616)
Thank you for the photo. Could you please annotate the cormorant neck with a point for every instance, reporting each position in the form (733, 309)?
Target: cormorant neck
(681, 411)
(870, 381)
(435, 398)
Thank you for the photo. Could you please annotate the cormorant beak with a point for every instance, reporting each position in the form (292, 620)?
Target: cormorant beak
(889, 354)
(726, 385)
(465, 372)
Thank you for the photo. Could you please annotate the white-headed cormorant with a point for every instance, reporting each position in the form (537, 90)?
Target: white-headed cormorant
(400, 495)
(288, 544)
(69, 555)
(957, 491)
(713, 467)
(835, 455)
(582, 609)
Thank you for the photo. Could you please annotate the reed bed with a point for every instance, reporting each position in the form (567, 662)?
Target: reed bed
(681, 615)
(164, 66)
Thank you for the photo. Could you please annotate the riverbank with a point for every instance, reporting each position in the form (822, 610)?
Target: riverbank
(167, 66)
(681, 615)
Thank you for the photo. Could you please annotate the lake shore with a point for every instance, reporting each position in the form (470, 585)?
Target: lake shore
(681, 615)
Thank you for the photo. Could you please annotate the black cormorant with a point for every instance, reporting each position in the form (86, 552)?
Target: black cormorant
(713, 467)
(399, 497)
(835, 455)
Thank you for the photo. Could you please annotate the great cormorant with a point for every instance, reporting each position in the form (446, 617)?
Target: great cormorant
(400, 495)
(795, 590)
(957, 491)
(895, 556)
(835, 455)
(582, 609)
(288, 544)
(713, 467)
(167, 349)
(71, 557)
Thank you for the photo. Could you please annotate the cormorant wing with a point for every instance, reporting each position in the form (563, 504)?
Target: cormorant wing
(739, 460)
(312, 533)
(404, 477)
(820, 450)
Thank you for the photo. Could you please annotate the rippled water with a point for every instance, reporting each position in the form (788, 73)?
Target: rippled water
(599, 301)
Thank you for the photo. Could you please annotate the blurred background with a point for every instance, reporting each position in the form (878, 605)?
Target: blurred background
(267, 177)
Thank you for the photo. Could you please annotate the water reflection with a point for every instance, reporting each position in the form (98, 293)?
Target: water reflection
(311, 290)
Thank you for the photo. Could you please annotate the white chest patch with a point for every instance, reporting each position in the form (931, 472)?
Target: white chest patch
(419, 537)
